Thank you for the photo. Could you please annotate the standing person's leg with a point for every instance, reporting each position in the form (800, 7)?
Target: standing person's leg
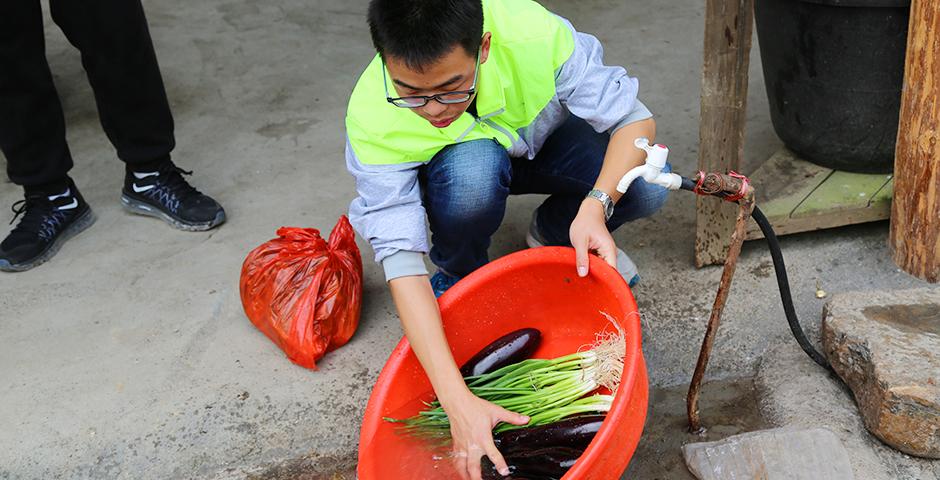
(121, 65)
(119, 58)
(465, 187)
(32, 128)
(566, 168)
(32, 138)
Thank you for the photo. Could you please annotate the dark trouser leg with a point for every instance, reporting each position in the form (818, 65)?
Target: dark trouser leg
(465, 188)
(32, 128)
(567, 167)
(118, 57)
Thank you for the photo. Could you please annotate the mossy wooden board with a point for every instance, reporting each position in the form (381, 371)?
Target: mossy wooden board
(841, 191)
(798, 196)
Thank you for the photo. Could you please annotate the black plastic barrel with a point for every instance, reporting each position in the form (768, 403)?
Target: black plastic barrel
(834, 70)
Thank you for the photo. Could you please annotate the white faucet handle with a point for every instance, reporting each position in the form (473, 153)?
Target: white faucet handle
(655, 154)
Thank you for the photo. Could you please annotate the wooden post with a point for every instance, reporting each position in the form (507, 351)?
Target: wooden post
(728, 26)
(915, 213)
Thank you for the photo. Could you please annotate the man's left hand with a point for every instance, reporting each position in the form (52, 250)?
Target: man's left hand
(589, 233)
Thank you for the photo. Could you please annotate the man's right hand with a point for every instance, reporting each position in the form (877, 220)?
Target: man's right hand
(471, 427)
(471, 418)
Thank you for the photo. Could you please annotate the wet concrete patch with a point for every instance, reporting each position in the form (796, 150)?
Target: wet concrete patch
(299, 471)
(727, 407)
(286, 128)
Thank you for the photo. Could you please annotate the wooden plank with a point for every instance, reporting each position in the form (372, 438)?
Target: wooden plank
(784, 181)
(728, 27)
(843, 199)
(915, 215)
(780, 185)
(882, 199)
(826, 220)
(798, 196)
(841, 192)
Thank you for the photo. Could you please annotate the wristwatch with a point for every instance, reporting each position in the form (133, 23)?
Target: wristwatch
(605, 199)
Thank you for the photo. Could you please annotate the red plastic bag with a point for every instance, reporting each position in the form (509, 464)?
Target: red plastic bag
(305, 294)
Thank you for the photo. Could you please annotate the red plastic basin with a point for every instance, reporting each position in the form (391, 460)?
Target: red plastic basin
(533, 288)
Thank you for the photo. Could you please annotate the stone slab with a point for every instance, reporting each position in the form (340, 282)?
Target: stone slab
(886, 346)
(775, 454)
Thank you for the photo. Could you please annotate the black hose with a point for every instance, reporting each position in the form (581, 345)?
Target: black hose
(781, 270)
(782, 281)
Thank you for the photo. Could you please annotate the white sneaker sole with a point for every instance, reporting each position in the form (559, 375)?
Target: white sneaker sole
(78, 226)
(138, 207)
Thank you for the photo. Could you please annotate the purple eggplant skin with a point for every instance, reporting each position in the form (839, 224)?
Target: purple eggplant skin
(575, 432)
(551, 462)
(510, 348)
(538, 464)
(489, 473)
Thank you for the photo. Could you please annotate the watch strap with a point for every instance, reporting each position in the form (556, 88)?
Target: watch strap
(605, 200)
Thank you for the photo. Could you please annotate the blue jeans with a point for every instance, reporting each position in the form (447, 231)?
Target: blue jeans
(465, 187)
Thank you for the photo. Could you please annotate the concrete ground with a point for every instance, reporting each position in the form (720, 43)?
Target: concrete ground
(128, 355)
(812, 398)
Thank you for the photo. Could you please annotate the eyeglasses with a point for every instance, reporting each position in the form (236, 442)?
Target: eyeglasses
(447, 98)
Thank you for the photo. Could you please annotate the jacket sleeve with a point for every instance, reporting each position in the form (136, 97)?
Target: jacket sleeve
(388, 213)
(604, 96)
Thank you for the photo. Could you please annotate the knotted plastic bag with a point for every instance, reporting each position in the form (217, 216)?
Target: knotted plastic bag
(303, 292)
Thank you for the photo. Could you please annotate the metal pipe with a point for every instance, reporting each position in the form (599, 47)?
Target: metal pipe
(746, 205)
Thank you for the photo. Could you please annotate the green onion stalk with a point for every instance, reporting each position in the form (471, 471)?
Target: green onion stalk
(545, 390)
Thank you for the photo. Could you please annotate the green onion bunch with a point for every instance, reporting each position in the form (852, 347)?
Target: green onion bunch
(545, 390)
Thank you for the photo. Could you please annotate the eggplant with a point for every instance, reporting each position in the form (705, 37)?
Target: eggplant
(489, 472)
(539, 464)
(551, 462)
(510, 348)
(575, 432)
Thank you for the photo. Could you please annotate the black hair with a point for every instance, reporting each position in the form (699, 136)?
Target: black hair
(420, 32)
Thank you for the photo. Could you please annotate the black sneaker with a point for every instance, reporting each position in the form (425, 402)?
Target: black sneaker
(165, 194)
(48, 221)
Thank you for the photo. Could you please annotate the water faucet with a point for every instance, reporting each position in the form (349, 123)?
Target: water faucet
(652, 169)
